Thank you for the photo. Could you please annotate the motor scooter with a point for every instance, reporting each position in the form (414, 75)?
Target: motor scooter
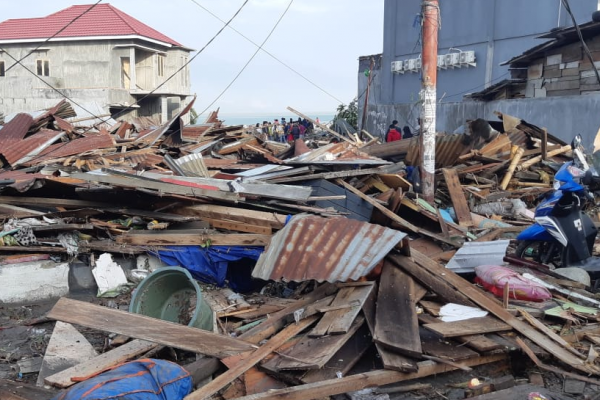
(563, 234)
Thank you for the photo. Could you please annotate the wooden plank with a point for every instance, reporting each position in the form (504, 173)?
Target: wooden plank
(551, 334)
(278, 320)
(257, 381)
(436, 284)
(396, 323)
(146, 328)
(344, 359)
(433, 345)
(319, 390)
(234, 214)
(229, 376)
(494, 307)
(238, 226)
(202, 369)
(192, 238)
(137, 182)
(394, 217)
(339, 321)
(313, 353)
(98, 364)
(390, 360)
(463, 213)
(479, 343)
(473, 326)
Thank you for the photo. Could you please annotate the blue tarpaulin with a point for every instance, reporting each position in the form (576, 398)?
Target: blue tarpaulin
(207, 264)
(145, 379)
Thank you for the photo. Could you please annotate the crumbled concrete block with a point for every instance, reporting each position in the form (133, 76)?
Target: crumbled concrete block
(66, 348)
(33, 281)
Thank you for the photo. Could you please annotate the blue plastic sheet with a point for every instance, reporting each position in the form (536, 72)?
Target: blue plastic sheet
(146, 379)
(207, 264)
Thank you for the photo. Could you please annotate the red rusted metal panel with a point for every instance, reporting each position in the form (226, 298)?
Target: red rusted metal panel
(15, 129)
(325, 249)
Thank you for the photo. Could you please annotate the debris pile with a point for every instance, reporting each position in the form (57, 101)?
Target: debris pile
(313, 268)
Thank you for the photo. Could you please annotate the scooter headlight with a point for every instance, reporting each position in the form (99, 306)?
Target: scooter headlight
(557, 184)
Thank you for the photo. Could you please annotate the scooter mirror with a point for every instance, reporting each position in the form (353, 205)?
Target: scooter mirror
(577, 142)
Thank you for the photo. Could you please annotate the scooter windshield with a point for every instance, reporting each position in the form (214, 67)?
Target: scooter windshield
(568, 181)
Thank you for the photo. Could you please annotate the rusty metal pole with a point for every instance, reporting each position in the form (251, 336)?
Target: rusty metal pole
(431, 23)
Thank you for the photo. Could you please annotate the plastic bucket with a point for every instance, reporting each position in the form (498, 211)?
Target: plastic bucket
(171, 294)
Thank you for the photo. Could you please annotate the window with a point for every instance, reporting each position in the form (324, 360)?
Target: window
(43, 67)
(2, 70)
(125, 69)
(161, 65)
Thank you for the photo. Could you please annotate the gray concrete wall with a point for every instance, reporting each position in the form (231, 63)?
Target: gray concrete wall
(564, 117)
(496, 30)
(87, 72)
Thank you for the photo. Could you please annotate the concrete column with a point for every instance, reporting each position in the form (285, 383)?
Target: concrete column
(132, 80)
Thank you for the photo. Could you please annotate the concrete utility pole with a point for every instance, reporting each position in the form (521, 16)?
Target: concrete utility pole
(431, 23)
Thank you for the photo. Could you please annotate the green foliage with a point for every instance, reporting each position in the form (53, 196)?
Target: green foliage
(193, 116)
(349, 112)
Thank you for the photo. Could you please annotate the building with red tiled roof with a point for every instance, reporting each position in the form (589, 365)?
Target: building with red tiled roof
(93, 54)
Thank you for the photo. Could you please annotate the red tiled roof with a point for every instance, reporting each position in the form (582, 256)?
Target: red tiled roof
(102, 20)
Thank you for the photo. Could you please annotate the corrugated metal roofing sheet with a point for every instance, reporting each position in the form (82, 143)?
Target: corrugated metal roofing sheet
(325, 249)
(81, 145)
(25, 150)
(16, 129)
(336, 153)
(474, 254)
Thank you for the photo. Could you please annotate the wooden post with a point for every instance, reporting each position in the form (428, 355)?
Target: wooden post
(431, 23)
(511, 168)
(544, 145)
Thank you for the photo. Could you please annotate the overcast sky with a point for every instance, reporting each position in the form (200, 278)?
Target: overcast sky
(321, 39)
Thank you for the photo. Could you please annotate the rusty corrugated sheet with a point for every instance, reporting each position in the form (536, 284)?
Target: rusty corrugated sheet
(175, 125)
(447, 150)
(81, 145)
(63, 125)
(15, 129)
(23, 180)
(26, 149)
(325, 249)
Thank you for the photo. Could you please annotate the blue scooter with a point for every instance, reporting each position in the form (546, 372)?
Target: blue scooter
(563, 234)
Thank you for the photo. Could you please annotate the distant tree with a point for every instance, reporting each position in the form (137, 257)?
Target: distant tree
(349, 112)
(193, 116)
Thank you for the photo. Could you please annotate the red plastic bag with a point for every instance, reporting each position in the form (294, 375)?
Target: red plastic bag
(494, 277)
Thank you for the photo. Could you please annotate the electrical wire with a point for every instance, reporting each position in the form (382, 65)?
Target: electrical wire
(53, 88)
(270, 54)
(583, 44)
(188, 62)
(53, 36)
(251, 58)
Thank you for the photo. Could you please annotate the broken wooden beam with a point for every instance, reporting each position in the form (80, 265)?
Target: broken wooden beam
(248, 362)
(192, 238)
(100, 363)
(356, 382)
(396, 322)
(461, 208)
(147, 328)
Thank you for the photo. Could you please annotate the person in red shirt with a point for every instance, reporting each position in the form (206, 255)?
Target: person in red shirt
(393, 135)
